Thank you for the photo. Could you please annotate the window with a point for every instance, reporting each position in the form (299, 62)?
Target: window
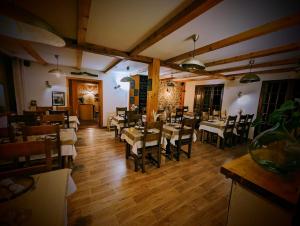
(208, 97)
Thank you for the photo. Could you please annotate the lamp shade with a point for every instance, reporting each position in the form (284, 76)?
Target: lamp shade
(126, 79)
(249, 78)
(192, 64)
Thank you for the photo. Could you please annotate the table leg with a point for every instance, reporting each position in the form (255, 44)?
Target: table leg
(116, 132)
(202, 136)
(127, 150)
(218, 142)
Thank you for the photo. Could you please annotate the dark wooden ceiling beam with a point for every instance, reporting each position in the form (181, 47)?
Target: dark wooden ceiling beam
(113, 64)
(271, 71)
(262, 53)
(260, 65)
(246, 35)
(83, 14)
(32, 52)
(193, 10)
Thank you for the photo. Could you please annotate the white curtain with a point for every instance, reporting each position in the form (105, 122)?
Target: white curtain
(18, 83)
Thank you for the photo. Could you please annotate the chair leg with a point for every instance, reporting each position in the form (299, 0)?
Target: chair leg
(158, 157)
(178, 148)
(136, 163)
(189, 151)
(143, 163)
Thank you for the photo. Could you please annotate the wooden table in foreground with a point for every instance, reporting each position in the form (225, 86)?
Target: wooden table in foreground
(43, 205)
(260, 197)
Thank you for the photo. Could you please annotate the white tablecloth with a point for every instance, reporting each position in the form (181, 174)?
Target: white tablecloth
(74, 122)
(217, 127)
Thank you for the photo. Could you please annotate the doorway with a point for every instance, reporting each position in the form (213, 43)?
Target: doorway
(85, 98)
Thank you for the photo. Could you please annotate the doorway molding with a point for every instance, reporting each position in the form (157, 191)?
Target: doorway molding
(74, 101)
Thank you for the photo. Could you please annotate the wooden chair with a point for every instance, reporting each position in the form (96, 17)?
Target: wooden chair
(109, 119)
(121, 110)
(12, 151)
(7, 135)
(66, 113)
(132, 118)
(27, 119)
(216, 113)
(178, 115)
(186, 133)
(55, 119)
(240, 128)
(228, 131)
(185, 108)
(146, 151)
(44, 130)
(248, 123)
(204, 116)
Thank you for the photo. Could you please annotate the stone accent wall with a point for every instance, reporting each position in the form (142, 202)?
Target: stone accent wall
(171, 97)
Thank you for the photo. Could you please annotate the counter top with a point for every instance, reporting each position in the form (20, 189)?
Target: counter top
(283, 190)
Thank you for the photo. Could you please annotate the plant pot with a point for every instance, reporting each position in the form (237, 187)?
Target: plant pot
(276, 150)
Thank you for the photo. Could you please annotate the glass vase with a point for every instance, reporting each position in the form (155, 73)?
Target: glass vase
(276, 150)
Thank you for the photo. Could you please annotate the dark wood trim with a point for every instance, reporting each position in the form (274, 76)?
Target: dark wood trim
(276, 25)
(260, 53)
(192, 11)
(32, 52)
(260, 65)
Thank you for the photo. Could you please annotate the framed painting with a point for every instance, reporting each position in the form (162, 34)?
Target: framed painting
(58, 98)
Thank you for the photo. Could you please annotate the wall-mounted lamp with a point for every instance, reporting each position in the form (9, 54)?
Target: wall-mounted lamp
(48, 85)
(117, 87)
(240, 94)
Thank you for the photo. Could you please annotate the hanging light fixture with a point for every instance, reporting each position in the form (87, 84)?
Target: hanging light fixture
(192, 64)
(127, 78)
(250, 77)
(56, 71)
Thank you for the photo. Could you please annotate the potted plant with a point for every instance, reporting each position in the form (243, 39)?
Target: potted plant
(278, 148)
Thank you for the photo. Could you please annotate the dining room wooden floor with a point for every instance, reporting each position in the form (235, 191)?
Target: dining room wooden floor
(109, 192)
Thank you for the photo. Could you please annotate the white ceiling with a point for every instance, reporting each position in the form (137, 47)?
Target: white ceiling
(121, 24)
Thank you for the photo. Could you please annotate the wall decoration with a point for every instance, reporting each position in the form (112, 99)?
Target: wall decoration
(170, 97)
(58, 98)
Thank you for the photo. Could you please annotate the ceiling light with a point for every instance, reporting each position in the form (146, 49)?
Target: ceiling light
(250, 77)
(56, 71)
(20, 24)
(192, 64)
(127, 78)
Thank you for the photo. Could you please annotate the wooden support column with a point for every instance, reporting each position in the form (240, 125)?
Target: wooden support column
(153, 88)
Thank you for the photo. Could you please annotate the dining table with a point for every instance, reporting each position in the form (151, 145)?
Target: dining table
(45, 203)
(170, 134)
(216, 126)
(74, 122)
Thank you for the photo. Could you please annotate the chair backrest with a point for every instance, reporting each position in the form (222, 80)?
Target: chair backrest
(230, 124)
(43, 109)
(7, 135)
(30, 119)
(12, 151)
(185, 108)
(187, 129)
(241, 123)
(204, 116)
(66, 113)
(54, 119)
(179, 114)
(152, 132)
(41, 130)
(121, 110)
(132, 118)
(159, 111)
(216, 113)
(249, 119)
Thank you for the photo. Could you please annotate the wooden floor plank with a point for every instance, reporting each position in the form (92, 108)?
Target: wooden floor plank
(109, 191)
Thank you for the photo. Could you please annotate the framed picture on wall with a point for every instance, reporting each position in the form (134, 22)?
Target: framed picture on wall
(58, 98)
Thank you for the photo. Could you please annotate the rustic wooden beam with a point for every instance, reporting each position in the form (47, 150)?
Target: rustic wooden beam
(32, 52)
(246, 35)
(114, 63)
(260, 65)
(272, 71)
(193, 10)
(152, 94)
(83, 14)
(257, 54)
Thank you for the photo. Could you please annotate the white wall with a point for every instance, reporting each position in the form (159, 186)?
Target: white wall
(35, 76)
(248, 102)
